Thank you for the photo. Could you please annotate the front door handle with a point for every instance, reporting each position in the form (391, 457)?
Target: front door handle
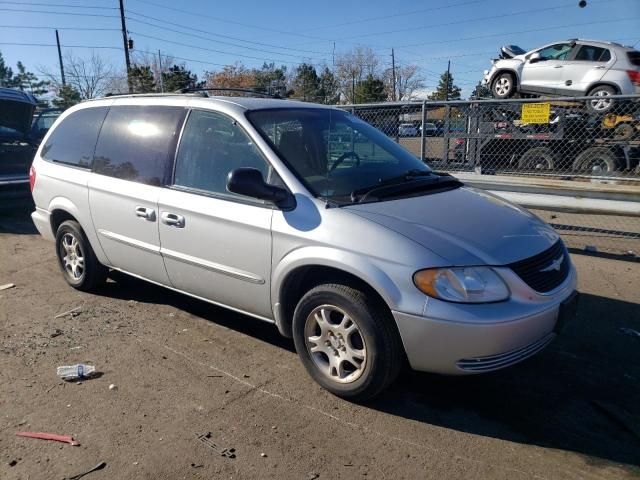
(600, 67)
(146, 213)
(172, 219)
(558, 66)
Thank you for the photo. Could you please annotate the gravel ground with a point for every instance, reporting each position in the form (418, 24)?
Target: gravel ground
(184, 368)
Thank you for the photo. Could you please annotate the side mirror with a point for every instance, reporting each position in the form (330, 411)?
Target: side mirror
(250, 183)
(535, 57)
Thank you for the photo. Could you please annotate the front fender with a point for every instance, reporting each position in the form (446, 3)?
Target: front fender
(393, 292)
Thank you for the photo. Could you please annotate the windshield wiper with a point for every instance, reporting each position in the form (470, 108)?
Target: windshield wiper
(413, 181)
(407, 176)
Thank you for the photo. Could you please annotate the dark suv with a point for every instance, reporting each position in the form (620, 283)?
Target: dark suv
(16, 146)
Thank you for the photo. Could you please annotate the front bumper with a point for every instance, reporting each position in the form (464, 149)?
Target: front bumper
(462, 339)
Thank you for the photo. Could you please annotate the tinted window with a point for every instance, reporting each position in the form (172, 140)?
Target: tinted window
(136, 142)
(211, 146)
(590, 53)
(74, 139)
(559, 51)
(634, 58)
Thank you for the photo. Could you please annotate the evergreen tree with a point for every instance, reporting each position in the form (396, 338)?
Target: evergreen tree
(446, 85)
(177, 78)
(370, 90)
(306, 83)
(142, 80)
(67, 97)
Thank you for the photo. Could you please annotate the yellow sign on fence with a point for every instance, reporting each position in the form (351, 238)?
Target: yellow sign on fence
(535, 112)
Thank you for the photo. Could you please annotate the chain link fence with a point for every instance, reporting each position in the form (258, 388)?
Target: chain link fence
(553, 146)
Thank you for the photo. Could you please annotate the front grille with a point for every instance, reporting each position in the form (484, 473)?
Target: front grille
(538, 271)
(502, 360)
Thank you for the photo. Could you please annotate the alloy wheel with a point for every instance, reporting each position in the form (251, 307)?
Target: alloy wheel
(335, 344)
(72, 256)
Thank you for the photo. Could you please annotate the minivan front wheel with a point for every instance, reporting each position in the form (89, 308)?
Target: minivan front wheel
(346, 341)
(80, 267)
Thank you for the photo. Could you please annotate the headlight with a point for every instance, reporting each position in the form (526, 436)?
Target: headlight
(462, 284)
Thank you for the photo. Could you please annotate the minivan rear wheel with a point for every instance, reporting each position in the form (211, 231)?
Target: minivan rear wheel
(346, 341)
(80, 267)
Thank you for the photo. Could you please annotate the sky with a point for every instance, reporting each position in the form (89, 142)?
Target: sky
(205, 35)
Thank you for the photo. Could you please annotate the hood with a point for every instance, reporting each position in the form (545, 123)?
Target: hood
(466, 226)
(511, 51)
(16, 110)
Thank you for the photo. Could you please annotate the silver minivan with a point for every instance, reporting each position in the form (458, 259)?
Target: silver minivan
(306, 217)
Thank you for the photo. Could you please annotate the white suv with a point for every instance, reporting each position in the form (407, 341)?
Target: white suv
(570, 68)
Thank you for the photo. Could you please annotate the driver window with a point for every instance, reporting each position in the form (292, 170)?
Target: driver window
(559, 51)
(212, 145)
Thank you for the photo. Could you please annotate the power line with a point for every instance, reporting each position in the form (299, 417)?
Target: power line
(213, 50)
(58, 13)
(187, 27)
(57, 5)
(213, 40)
(385, 17)
(470, 20)
(226, 20)
(61, 28)
(54, 45)
(597, 22)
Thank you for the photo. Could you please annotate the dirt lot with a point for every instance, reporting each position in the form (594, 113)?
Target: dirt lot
(183, 368)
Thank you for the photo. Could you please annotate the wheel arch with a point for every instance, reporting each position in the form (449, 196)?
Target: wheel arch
(506, 70)
(62, 209)
(295, 276)
(601, 83)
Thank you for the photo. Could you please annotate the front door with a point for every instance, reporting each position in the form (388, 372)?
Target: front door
(215, 244)
(545, 74)
(130, 165)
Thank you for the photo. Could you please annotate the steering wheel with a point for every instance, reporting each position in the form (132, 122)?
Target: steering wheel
(343, 157)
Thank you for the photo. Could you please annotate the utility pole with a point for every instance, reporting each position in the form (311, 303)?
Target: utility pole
(126, 45)
(160, 71)
(448, 79)
(393, 69)
(60, 59)
(353, 87)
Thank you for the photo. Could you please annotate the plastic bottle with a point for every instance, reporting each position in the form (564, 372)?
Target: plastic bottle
(72, 372)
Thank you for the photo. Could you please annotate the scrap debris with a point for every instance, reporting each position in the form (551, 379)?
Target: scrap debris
(49, 436)
(205, 438)
(74, 312)
(6, 286)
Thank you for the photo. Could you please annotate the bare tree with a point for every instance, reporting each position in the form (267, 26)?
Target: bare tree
(408, 81)
(91, 77)
(353, 67)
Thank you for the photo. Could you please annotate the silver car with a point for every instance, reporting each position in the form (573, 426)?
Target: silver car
(570, 68)
(306, 217)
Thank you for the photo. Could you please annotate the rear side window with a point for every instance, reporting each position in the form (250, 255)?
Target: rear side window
(590, 53)
(137, 142)
(74, 139)
(634, 58)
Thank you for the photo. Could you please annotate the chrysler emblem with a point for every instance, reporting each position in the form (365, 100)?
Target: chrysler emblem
(554, 265)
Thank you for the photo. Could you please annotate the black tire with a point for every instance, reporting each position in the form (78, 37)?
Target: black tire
(595, 157)
(503, 86)
(604, 105)
(375, 333)
(87, 274)
(537, 158)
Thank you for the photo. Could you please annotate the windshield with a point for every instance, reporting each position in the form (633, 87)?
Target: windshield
(333, 152)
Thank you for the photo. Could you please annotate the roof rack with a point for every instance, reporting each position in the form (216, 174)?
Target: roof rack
(226, 89)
